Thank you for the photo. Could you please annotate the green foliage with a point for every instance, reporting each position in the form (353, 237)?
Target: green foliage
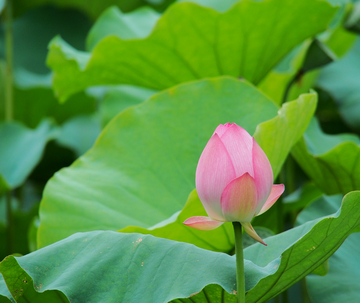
(302, 197)
(220, 239)
(342, 82)
(2, 5)
(163, 173)
(92, 8)
(340, 284)
(113, 22)
(318, 55)
(166, 81)
(15, 138)
(79, 133)
(331, 161)
(144, 260)
(119, 98)
(269, 270)
(307, 252)
(34, 100)
(291, 122)
(190, 42)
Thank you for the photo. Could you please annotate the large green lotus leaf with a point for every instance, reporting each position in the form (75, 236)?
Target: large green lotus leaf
(341, 283)
(331, 161)
(122, 268)
(341, 80)
(220, 239)
(113, 22)
(5, 295)
(20, 151)
(135, 267)
(336, 38)
(212, 293)
(142, 166)
(119, 98)
(191, 42)
(313, 245)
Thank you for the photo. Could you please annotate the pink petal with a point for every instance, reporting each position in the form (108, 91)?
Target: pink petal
(221, 129)
(263, 174)
(213, 173)
(239, 199)
(275, 193)
(202, 223)
(239, 145)
(251, 232)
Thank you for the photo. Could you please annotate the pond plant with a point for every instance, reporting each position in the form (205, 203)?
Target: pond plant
(179, 151)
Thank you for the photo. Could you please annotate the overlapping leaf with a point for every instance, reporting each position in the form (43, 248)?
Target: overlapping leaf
(314, 245)
(34, 100)
(122, 266)
(331, 161)
(191, 42)
(341, 80)
(341, 283)
(113, 22)
(137, 177)
(16, 141)
(220, 239)
(344, 263)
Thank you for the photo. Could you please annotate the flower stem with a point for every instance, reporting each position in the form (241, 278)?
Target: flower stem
(240, 272)
(9, 58)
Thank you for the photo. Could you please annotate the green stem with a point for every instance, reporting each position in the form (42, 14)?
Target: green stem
(284, 297)
(10, 224)
(240, 271)
(9, 108)
(290, 175)
(9, 60)
(279, 204)
(304, 291)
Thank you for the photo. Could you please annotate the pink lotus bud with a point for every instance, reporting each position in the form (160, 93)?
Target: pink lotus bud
(234, 180)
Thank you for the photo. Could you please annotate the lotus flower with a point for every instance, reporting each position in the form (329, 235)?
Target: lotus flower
(234, 180)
